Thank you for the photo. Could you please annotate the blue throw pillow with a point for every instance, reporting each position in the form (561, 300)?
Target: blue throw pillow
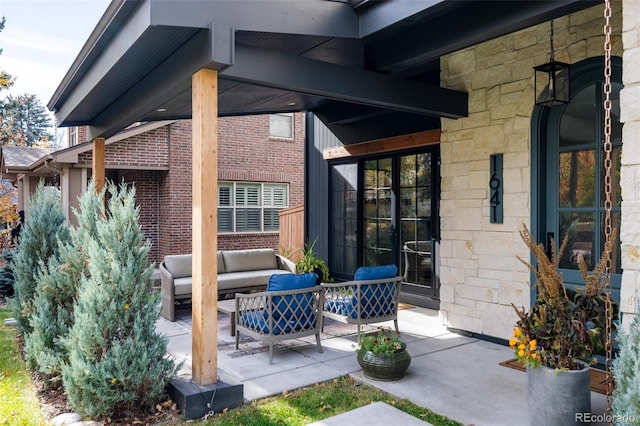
(278, 282)
(365, 273)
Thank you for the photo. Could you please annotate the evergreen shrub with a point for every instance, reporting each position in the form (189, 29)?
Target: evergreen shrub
(117, 363)
(6, 274)
(56, 293)
(38, 241)
(626, 395)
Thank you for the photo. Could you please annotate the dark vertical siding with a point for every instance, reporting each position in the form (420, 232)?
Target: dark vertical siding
(318, 138)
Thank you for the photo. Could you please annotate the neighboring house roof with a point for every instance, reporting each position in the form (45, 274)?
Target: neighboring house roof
(15, 160)
(70, 155)
(19, 159)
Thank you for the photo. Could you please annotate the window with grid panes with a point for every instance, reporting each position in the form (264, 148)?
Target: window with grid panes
(251, 206)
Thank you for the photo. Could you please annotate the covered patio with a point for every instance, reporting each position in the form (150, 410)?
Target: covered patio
(451, 374)
(376, 78)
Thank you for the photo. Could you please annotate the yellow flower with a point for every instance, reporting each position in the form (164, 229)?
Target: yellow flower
(522, 346)
(533, 343)
(521, 353)
(512, 343)
(516, 332)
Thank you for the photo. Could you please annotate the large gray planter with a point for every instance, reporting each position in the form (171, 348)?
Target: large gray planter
(558, 398)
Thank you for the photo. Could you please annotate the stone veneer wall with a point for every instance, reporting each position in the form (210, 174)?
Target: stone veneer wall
(630, 173)
(480, 274)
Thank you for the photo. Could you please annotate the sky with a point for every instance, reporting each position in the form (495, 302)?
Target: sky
(41, 39)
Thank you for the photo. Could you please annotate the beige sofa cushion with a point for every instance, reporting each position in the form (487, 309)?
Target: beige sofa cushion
(179, 265)
(182, 286)
(234, 280)
(249, 260)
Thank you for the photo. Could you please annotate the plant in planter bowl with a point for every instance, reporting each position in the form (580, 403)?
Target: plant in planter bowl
(558, 337)
(311, 263)
(383, 356)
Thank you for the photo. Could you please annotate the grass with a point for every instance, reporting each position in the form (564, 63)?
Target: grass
(323, 400)
(18, 401)
(19, 404)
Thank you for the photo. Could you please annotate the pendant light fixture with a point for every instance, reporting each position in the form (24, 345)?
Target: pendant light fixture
(552, 85)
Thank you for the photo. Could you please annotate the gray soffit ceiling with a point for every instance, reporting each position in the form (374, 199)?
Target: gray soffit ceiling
(352, 62)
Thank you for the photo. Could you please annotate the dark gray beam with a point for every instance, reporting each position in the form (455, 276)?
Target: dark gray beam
(303, 75)
(474, 22)
(310, 17)
(379, 15)
(208, 49)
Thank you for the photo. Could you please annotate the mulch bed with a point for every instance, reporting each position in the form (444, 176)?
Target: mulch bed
(53, 402)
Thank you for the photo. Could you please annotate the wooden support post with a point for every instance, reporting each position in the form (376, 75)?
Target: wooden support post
(98, 163)
(205, 227)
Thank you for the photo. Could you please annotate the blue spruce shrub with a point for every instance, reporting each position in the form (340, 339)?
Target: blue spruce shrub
(56, 293)
(117, 362)
(38, 241)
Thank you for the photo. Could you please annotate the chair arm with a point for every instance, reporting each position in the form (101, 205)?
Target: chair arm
(166, 279)
(286, 264)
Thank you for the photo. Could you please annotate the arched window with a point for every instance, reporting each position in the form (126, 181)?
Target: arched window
(569, 171)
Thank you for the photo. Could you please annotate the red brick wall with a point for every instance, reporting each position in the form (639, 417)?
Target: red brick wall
(245, 153)
(146, 183)
(175, 193)
(148, 149)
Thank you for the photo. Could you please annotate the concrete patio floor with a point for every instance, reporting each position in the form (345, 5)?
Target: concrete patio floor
(453, 375)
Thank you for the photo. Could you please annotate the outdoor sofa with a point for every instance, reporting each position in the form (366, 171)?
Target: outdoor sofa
(238, 271)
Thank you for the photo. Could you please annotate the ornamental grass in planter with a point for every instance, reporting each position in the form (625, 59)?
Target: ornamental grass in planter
(564, 325)
(559, 336)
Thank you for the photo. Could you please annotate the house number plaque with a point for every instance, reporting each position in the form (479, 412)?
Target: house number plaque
(495, 189)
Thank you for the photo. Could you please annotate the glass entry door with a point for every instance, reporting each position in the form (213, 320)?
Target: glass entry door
(380, 236)
(400, 213)
(417, 243)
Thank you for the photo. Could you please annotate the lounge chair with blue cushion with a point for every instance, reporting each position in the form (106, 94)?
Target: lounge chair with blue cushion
(371, 297)
(290, 308)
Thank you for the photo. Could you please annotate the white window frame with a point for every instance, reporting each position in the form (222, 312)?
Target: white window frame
(73, 136)
(273, 126)
(263, 199)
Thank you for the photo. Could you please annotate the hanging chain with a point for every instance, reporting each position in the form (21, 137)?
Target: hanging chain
(608, 166)
(551, 55)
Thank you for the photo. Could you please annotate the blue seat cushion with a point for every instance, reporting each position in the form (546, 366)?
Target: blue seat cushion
(258, 321)
(294, 306)
(345, 306)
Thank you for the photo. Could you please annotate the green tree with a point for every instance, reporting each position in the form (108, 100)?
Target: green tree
(6, 80)
(24, 121)
(38, 241)
(56, 293)
(117, 362)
